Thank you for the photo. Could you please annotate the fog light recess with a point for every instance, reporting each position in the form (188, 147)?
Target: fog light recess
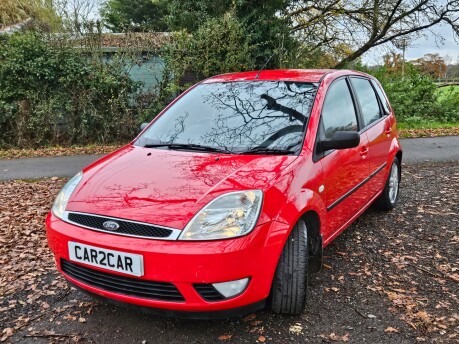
(231, 288)
(214, 292)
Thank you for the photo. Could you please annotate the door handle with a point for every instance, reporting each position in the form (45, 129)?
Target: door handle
(364, 152)
(388, 130)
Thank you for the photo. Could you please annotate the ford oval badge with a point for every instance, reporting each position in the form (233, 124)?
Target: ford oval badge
(111, 225)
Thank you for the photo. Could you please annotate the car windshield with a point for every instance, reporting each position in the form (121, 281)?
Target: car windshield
(237, 117)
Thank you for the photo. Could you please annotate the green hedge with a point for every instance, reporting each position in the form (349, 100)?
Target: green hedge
(52, 93)
(415, 97)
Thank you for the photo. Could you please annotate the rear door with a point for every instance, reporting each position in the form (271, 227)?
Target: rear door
(376, 124)
(346, 170)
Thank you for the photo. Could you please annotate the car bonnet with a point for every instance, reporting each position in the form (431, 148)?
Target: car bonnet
(168, 188)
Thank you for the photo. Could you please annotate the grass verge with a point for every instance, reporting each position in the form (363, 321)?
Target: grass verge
(15, 153)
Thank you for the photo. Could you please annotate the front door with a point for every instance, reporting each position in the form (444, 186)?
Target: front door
(345, 170)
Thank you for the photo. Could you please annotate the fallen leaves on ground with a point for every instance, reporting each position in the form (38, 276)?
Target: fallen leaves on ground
(53, 336)
(262, 339)
(416, 257)
(56, 151)
(29, 282)
(336, 338)
(249, 317)
(225, 337)
(428, 132)
(296, 328)
(391, 329)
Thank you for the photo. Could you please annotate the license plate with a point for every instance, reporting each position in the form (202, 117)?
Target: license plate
(127, 263)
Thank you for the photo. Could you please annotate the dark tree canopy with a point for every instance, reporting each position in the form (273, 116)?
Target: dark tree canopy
(138, 15)
(265, 30)
(299, 32)
(189, 15)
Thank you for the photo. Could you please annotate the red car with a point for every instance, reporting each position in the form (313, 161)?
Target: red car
(224, 203)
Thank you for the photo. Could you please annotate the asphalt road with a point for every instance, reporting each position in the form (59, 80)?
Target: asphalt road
(437, 149)
(432, 149)
(31, 168)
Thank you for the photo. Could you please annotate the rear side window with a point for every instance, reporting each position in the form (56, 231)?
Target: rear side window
(382, 96)
(367, 100)
(338, 112)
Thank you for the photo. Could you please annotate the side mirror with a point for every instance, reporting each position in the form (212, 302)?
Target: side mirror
(341, 140)
(143, 126)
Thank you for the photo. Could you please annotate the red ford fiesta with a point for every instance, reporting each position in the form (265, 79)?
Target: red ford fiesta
(223, 204)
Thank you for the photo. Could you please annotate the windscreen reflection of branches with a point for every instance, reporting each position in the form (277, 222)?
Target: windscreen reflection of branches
(248, 113)
(238, 116)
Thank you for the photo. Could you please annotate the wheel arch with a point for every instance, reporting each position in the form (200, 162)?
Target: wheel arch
(399, 155)
(315, 240)
(311, 217)
(304, 203)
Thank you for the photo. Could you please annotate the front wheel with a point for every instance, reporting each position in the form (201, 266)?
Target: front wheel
(289, 289)
(389, 197)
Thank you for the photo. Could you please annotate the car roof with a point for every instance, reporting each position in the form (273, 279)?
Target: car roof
(298, 75)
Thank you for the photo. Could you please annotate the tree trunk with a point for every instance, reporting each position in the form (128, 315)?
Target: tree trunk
(355, 55)
(21, 122)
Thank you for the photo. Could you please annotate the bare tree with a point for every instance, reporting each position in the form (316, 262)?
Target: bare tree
(364, 24)
(76, 14)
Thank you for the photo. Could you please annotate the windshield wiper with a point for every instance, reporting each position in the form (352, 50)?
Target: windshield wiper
(188, 146)
(265, 150)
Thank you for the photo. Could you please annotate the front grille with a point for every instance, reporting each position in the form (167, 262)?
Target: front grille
(122, 285)
(208, 292)
(125, 226)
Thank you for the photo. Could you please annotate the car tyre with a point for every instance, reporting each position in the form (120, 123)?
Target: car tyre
(389, 197)
(289, 288)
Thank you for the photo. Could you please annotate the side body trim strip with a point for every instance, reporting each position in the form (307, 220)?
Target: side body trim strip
(355, 188)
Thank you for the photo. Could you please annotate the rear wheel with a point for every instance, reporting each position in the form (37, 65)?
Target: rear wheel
(389, 197)
(289, 289)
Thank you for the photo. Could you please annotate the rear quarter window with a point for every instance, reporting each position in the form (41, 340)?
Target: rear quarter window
(382, 96)
(368, 102)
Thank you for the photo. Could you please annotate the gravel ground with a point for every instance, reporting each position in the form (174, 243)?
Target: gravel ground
(389, 278)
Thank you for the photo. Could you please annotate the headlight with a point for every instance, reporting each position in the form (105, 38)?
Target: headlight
(63, 197)
(229, 215)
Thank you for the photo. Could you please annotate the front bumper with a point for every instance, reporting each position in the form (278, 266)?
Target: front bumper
(184, 264)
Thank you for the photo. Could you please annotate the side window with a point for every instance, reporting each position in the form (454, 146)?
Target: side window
(382, 96)
(367, 100)
(338, 112)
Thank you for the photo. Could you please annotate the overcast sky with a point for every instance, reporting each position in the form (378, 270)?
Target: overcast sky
(428, 43)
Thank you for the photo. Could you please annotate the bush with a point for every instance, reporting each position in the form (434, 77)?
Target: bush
(414, 97)
(220, 45)
(52, 93)
(448, 98)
